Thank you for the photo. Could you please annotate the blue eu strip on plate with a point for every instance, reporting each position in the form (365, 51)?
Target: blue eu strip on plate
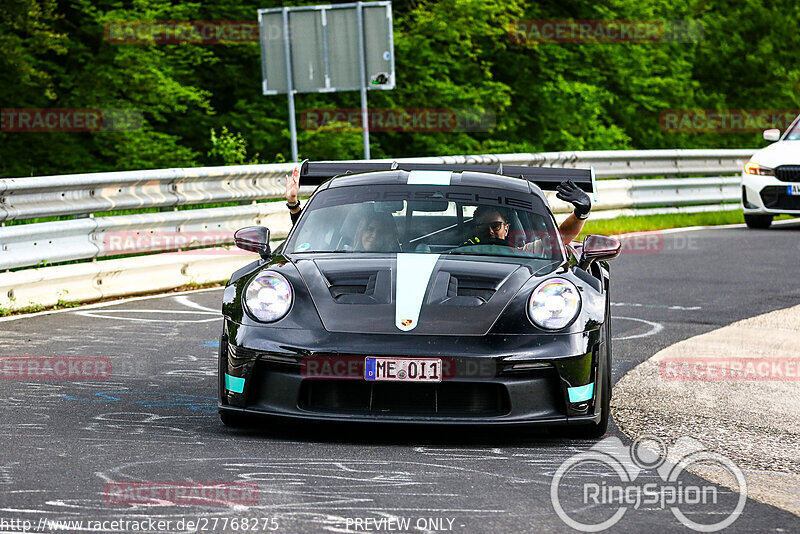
(369, 369)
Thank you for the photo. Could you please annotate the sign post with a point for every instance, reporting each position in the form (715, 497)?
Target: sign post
(327, 48)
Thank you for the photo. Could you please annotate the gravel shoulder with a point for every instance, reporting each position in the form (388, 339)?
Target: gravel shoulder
(737, 390)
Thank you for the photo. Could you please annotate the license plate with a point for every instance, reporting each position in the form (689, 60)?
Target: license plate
(793, 189)
(403, 369)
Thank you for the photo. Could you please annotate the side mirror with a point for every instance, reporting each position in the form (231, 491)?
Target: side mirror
(253, 239)
(772, 135)
(598, 248)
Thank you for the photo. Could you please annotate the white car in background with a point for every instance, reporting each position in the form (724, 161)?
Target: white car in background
(771, 179)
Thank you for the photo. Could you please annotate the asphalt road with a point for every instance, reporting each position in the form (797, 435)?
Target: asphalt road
(71, 449)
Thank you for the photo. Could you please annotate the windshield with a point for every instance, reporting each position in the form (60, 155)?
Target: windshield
(427, 220)
(793, 134)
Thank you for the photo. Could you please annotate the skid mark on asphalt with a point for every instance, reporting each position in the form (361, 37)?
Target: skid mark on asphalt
(326, 491)
(303, 493)
(152, 399)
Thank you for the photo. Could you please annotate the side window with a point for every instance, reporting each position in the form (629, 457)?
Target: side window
(321, 230)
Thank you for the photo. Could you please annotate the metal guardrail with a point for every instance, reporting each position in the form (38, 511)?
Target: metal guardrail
(630, 163)
(93, 237)
(59, 241)
(82, 194)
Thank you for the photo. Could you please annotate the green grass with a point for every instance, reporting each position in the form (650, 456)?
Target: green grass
(622, 225)
(31, 308)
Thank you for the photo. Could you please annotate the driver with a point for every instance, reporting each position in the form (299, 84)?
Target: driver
(492, 224)
(491, 228)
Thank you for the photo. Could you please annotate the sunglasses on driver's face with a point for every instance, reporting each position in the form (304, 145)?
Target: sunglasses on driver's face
(494, 225)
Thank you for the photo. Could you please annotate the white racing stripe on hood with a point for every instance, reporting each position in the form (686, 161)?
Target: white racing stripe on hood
(413, 274)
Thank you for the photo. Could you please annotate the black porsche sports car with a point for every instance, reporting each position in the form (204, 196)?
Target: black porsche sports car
(411, 293)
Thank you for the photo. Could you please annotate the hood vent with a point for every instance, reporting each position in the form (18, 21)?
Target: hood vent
(360, 287)
(450, 289)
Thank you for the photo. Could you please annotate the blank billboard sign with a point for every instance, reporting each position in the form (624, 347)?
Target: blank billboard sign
(324, 47)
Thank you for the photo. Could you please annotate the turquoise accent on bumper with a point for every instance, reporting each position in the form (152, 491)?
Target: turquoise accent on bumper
(580, 393)
(234, 384)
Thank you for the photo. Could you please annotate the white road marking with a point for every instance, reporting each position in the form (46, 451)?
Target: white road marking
(183, 299)
(115, 302)
(655, 328)
(198, 309)
(660, 306)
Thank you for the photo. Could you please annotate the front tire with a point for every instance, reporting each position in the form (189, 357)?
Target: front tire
(758, 221)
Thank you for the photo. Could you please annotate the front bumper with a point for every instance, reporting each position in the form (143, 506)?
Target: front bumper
(768, 195)
(488, 380)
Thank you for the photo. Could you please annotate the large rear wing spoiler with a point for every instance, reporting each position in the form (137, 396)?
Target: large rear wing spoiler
(547, 178)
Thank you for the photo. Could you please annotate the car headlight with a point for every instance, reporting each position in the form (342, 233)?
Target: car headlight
(754, 168)
(554, 304)
(268, 296)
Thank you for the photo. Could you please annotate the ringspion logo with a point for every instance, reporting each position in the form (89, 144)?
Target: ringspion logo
(592, 490)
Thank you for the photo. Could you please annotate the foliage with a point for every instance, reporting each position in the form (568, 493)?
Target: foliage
(229, 149)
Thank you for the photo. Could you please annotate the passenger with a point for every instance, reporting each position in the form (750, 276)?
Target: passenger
(292, 189)
(376, 232)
